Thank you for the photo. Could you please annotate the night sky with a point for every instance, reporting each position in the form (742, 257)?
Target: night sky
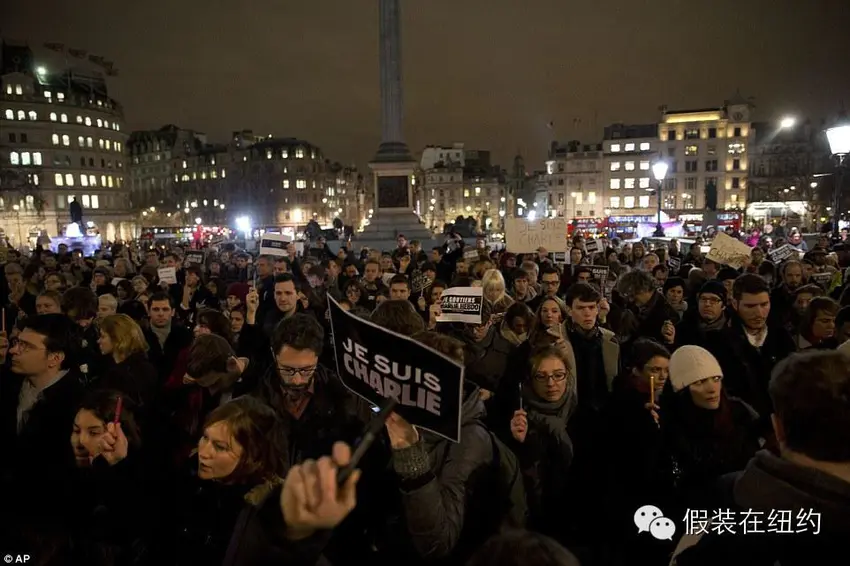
(491, 73)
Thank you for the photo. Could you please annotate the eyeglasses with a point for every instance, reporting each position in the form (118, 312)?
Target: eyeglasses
(545, 377)
(709, 300)
(288, 372)
(24, 347)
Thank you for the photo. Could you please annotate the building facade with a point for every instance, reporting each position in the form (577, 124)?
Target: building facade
(461, 182)
(180, 179)
(574, 180)
(61, 138)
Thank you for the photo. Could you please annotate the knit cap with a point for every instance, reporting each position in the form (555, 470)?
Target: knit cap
(715, 288)
(690, 364)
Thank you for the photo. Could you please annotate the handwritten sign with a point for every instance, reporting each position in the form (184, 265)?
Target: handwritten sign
(525, 236)
(726, 250)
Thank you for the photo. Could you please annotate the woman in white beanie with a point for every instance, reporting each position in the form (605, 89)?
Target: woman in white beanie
(706, 432)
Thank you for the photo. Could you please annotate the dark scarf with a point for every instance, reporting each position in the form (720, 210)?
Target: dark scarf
(718, 324)
(551, 414)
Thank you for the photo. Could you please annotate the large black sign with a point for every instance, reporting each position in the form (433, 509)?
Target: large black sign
(393, 192)
(375, 364)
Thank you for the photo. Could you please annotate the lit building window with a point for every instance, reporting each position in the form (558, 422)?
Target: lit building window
(103, 180)
(53, 116)
(25, 158)
(630, 147)
(223, 173)
(88, 121)
(66, 140)
(736, 148)
(69, 179)
(691, 150)
(109, 181)
(9, 114)
(58, 180)
(81, 141)
(644, 146)
(184, 178)
(60, 96)
(107, 144)
(92, 181)
(268, 154)
(184, 164)
(591, 198)
(614, 202)
(629, 202)
(36, 158)
(100, 143)
(14, 158)
(48, 94)
(286, 183)
(614, 184)
(643, 201)
(35, 180)
(79, 119)
(630, 183)
(95, 201)
(89, 142)
(615, 166)
(106, 123)
(63, 118)
(284, 154)
(86, 201)
(466, 193)
(643, 182)
(19, 89)
(99, 123)
(22, 115)
(299, 153)
(84, 181)
(615, 147)
(644, 165)
(300, 184)
(55, 139)
(630, 165)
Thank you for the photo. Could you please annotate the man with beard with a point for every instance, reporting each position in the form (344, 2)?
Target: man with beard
(314, 407)
(782, 298)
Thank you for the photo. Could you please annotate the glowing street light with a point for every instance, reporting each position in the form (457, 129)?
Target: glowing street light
(659, 171)
(243, 224)
(839, 146)
(787, 122)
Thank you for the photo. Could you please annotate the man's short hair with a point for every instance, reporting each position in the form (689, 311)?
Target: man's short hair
(399, 278)
(60, 335)
(160, 296)
(299, 332)
(750, 284)
(634, 282)
(284, 278)
(583, 292)
(811, 399)
(398, 316)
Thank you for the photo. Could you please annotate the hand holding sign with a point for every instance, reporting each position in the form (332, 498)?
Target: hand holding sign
(519, 425)
(402, 433)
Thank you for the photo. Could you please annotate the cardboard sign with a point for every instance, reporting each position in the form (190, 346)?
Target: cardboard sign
(525, 236)
(726, 250)
(274, 244)
(600, 273)
(674, 264)
(822, 279)
(419, 282)
(167, 275)
(561, 257)
(471, 255)
(375, 363)
(593, 246)
(462, 304)
(782, 253)
(193, 258)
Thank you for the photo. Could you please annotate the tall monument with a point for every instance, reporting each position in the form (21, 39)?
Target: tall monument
(393, 166)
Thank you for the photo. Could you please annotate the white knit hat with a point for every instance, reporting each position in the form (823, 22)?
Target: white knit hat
(690, 364)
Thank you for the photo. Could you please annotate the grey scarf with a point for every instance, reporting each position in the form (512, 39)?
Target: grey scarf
(161, 333)
(551, 415)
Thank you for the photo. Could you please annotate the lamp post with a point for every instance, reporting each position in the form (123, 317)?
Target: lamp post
(659, 171)
(839, 146)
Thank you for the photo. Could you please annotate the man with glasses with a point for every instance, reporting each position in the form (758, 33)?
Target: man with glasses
(315, 408)
(39, 396)
(550, 280)
(702, 326)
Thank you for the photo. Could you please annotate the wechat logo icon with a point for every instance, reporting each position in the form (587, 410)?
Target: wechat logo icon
(649, 518)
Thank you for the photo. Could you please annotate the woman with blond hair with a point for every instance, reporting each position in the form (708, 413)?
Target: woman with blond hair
(495, 291)
(128, 370)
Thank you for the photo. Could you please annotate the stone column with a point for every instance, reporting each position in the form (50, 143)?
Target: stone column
(390, 60)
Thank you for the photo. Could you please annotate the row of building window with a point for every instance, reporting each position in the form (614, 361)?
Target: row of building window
(68, 180)
(60, 96)
(299, 184)
(616, 148)
(88, 201)
(54, 117)
(629, 183)
(629, 165)
(88, 142)
(25, 158)
(213, 174)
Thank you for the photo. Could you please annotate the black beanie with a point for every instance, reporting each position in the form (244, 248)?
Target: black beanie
(715, 288)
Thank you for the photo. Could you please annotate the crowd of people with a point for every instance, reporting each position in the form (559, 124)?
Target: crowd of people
(202, 421)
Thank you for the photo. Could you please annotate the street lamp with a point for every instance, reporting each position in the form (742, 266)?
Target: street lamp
(659, 171)
(787, 122)
(839, 146)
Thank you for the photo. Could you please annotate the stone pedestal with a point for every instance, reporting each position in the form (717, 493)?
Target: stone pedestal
(394, 213)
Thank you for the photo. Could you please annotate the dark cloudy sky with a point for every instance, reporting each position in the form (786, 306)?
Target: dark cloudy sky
(491, 73)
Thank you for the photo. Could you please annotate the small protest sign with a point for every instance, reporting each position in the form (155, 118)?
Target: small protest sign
(674, 264)
(525, 236)
(462, 304)
(600, 273)
(726, 250)
(375, 363)
(167, 275)
(560, 257)
(593, 246)
(471, 255)
(782, 253)
(419, 282)
(193, 258)
(274, 244)
(822, 279)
